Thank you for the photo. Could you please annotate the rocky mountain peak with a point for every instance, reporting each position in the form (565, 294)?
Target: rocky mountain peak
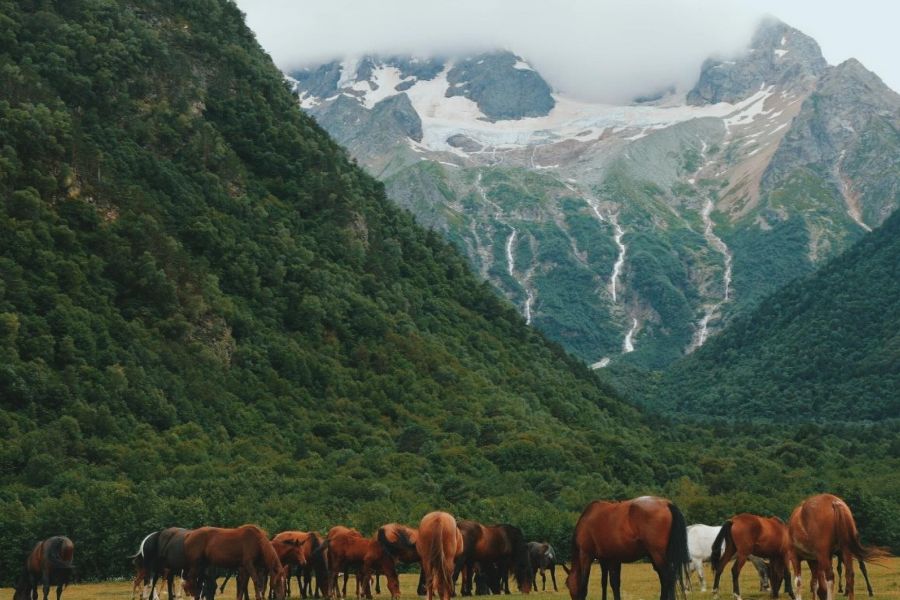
(779, 55)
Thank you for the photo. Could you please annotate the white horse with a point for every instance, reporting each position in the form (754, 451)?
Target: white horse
(700, 543)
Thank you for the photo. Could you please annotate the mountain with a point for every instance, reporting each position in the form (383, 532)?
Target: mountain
(824, 348)
(627, 233)
(210, 315)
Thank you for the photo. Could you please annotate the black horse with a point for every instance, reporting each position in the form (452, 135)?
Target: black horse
(164, 553)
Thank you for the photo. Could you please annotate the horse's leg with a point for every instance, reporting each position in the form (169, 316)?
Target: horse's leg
(45, 580)
(840, 570)
(865, 573)
(615, 579)
(727, 555)
(736, 574)
(59, 589)
(604, 580)
(794, 569)
(552, 569)
(697, 567)
(851, 576)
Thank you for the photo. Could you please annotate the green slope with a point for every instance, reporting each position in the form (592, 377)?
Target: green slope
(208, 314)
(824, 348)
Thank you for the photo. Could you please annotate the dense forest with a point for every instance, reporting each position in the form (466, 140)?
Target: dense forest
(824, 348)
(209, 315)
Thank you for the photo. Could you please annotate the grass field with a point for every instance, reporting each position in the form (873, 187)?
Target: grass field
(639, 582)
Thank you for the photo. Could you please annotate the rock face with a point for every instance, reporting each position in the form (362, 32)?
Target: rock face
(503, 86)
(634, 232)
(779, 55)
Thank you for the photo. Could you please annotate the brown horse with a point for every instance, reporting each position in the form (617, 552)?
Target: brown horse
(310, 562)
(439, 544)
(246, 548)
(500, 545)
(619, 532)
(49, 563)
(819, 527)
(746, 534)
(400, 542)
(349, 549)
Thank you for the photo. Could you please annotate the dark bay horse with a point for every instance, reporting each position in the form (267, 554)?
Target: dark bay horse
(746, 534)
(246, 549)
(543, 558)
(163, 555)
(400, 542)
(439, 545)
(622, 532)
(500, 545)
(49, 563)
(820, 527)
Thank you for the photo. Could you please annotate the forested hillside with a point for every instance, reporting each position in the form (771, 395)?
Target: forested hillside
(209, 315)
(824, 348)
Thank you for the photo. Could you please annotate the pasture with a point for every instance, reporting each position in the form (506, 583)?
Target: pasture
(639, 582)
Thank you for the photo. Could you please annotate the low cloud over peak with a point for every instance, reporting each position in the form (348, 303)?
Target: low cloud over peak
(611, 50)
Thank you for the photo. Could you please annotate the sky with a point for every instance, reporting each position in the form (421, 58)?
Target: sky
(601, 50)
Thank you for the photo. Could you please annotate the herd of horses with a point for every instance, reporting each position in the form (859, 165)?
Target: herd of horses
(484, 557)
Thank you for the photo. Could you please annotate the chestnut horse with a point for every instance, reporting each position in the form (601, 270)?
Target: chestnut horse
(246, 548)
(49, 563)
(819, 527)
(618, 532)
(501, 544)
(400, 542)
(439, 545)
(310, 562)
(746, 534)
(348, 548)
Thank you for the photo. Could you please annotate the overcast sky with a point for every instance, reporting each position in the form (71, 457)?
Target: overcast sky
(608, 50)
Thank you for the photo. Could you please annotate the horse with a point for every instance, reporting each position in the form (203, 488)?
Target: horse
(747, 534)
(439, 545)
(501, 544)
(164, 555)
(819, 527)
(348, 548)
(700, 542)
(400, 542)
(142, 571)
(618, 532)
(50, 563)
(308, 562)
(246, 548)
(542, 558)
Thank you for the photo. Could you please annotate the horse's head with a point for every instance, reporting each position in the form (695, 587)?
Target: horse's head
(575, 582)
(278, 582)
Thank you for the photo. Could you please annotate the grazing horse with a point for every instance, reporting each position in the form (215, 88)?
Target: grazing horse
(246, 548)
(439, 545)
(50, 563)
(164, 555)
(400, 542)
(348, 548)
(311, 562)
(747, 534)
(618, 532)
(700, 542)
(501, 544)
(819, 527)
(542, 558)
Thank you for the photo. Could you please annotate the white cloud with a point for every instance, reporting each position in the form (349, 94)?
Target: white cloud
(610, 50)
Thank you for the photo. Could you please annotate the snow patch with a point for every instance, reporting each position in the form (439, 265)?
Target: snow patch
(603, 362)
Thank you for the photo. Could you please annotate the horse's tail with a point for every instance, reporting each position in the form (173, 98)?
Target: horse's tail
(436, 558)
(677, 555)
(719, 543)
(848, 535)
(56, 550)
(397, 546)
